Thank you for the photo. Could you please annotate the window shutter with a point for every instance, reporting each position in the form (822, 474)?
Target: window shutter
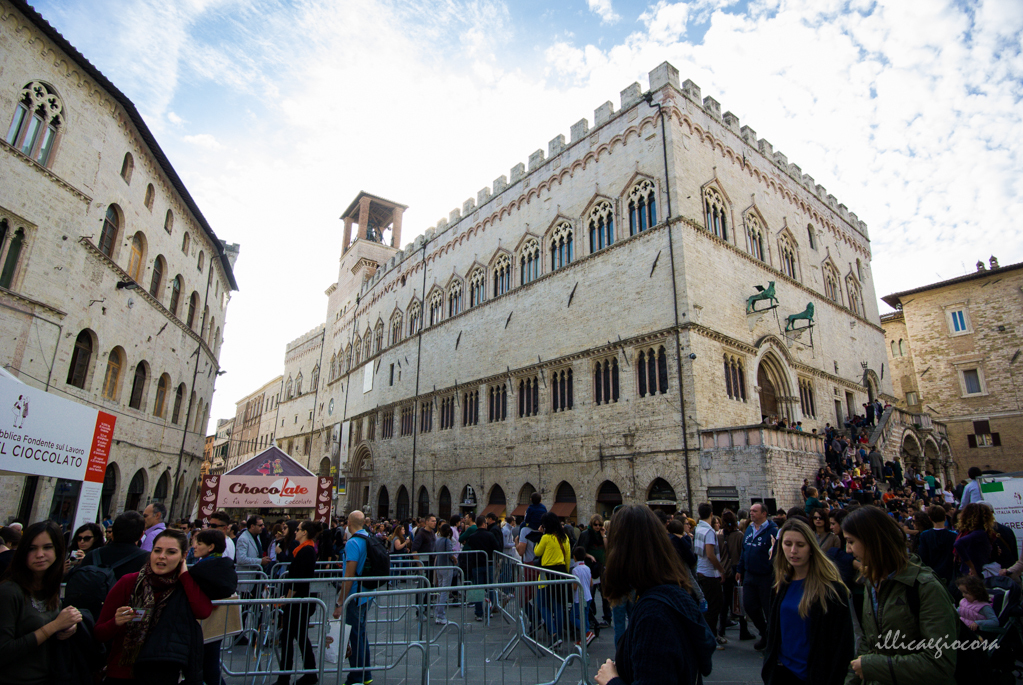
(981, 427)
(972, 440)
(996, 440)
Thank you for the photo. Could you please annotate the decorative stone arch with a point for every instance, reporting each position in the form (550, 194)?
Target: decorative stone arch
(162, 490)
(403, 509)
(324, 470)
(829, 268)
(434, 299)
(135, 499)
(608, 497)
(661, 495)
(444, 503)
(525, 492)
(360, 476)
(423, 501)
(873, 385)
(713, 195)
(774, 381)
(911, 451)
(788, 244)
(932, 456)
(600, 216)
(108, 495)
(383, 503)
(756, 231)
(500, 273)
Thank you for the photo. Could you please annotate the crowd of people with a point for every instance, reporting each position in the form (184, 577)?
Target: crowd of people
(809, 581)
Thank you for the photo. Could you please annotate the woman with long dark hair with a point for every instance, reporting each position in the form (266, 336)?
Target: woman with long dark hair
(149, 619)
(974, 544)
(555, 554)
(295, 623)
(216, 577)
(731, 546)
(88, 537)
(892, 579)
(826, 539)
(810, 630)
(667, 640)
(30, 613)
(286, 546)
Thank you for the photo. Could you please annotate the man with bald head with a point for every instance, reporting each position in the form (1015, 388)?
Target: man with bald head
(755, 570)
(354, 559)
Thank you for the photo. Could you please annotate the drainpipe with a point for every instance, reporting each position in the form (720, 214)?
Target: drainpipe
(649, 97)
(415, 401)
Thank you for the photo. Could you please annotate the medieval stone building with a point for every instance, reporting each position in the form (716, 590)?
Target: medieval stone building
(113, 286)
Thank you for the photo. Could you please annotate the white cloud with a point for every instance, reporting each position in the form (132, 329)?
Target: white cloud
(204, 140)
(174, 119)
(604, 10)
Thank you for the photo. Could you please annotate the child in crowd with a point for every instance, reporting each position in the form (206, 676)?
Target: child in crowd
(582, 606)
(534, 512)
(975, 607)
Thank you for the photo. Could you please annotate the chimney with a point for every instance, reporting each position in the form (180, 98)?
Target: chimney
(980, 266)
(994, 262)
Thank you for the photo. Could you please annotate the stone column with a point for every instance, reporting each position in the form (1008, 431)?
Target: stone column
(348, 232)
(396, 227)
(363, 217)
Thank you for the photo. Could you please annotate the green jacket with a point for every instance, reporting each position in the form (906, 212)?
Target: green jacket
(888, 659)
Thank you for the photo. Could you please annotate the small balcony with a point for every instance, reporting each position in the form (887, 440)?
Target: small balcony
(759, 435)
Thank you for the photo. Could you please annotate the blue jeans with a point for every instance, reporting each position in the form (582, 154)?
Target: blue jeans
(619, 615)
(580, 618)
(355, 616)
(551, 609)
(481, 576)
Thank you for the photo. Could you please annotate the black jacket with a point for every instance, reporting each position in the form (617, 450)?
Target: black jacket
(133, 557)
(176, 639)
(480, 540)
(667, 640)
(832, 642)
(935, 550)
(215, 576)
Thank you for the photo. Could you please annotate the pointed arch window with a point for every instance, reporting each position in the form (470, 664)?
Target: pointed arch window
(179, 398)
(811, 237)
(38, 118)
(138, 250)
(367, 343)
(471, 408)
(193, 304)
(807, 402)
(787, 251)
(358, 351)
(298, 386)
(831, 289)
(455, 299)
(175, 300)
(529, 396)
(642, 207)
(436, 307)
(202, 259)
(855, 295)
(561, 390)
(333, 368)
(80, 358)
(415, 318)
(378, 336)
(157, 281)
(288, 389)
(652, 371)
(530, 261)
(426, 416)
(502, 275)
(10, 253)
(477, 287)
(186, 241)
(561, 246)
(497, 402)
(715, 211)
(754, 235)
(605, 381)
(395, 329)
(108, 236)
(162, 386)
(601, 224)
(735, 378)
(127, 167)
(112, 379)
(447, 412)
(138, 385)
(314, 379)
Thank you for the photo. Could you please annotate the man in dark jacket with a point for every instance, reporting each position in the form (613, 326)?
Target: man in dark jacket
(936, 543)
(123, 555)
(480, 546)
(755, 570)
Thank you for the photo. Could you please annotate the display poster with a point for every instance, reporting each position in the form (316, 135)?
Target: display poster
(1005, 495)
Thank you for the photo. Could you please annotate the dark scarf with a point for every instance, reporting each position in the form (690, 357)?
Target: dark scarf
(151, 592)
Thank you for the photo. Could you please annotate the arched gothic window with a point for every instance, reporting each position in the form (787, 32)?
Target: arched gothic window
(754, 235)
(642, 207)
(333, 368)
(436, 307)
(186, 241)
(902, 347)
(202, 259)
(788, 256)
(477, 287)
(349, 351)
(138, 385)
(138, 251)
(605, 381)
(561, 390)
(159, 266)
(502, 275)
(176, 286)
(895, 351)
(378, 336)
(529, 396)
(715, 210)
(288, 389)
(735, 378)
(471, 408)
(855, 295)
(455, 299)
(652, 371)
(497, 402)
(127, 167)
(530, 261)
(179, 398)
(10, 253)
(108, 236)
(112, 379)
(561, 246)
(831, 290)
(602, 226)
(38, 118)
(314, 379)
(395, 329)
(367, 345)
(80, 358)
(807, 402)
(415, 318)
(298, 386)
(162, 387)
(193, 304)
(357, 345)
(811, 236)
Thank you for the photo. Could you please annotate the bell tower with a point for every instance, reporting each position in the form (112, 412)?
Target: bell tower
(373, 215)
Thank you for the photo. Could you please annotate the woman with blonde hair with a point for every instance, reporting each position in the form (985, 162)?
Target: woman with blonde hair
(810, 632)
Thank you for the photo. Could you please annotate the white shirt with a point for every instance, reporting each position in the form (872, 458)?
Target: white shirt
(229, 552)
(528, 556)
(971, 493)
(582, 572)
(705, 535)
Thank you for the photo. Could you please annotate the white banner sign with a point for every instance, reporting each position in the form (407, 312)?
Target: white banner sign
(1006, 497)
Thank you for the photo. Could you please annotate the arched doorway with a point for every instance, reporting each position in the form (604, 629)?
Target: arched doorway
(324, 471)
(525, 492)
(468, 504)
(111, 480)
(496, 502)
(383, 503)
(608, 497)
(360, 475)
(444, 504)
(423, 502)
(773, 384)
(162, 486)
(911, 452)
(402, 511)
(564, 502)
(661, 496)
(136, 488)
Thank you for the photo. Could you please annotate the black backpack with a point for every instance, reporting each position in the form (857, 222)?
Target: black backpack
(378, 563)
(88, 586)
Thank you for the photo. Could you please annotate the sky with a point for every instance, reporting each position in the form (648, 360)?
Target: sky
(277, 113)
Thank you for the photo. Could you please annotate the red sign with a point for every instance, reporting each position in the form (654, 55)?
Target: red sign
(100, 451)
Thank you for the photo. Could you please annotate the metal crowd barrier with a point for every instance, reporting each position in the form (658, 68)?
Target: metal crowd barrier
(416, 631)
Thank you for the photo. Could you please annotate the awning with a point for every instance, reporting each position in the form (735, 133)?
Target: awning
(563, 509)
(495, 509)
(519, 510)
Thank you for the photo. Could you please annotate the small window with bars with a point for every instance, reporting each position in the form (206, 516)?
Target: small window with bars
(408, 420)
(471, 408)
(605, 381)
(529, 396)
(735, 378)
(387, 425)
(652, 371)
(447, 413)
(561, 390)
(497, 403)
(426, 416)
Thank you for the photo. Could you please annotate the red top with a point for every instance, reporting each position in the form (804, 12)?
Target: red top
(120, 595)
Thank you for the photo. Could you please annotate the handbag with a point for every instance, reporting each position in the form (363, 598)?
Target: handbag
(737, 606)
(225, 621)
